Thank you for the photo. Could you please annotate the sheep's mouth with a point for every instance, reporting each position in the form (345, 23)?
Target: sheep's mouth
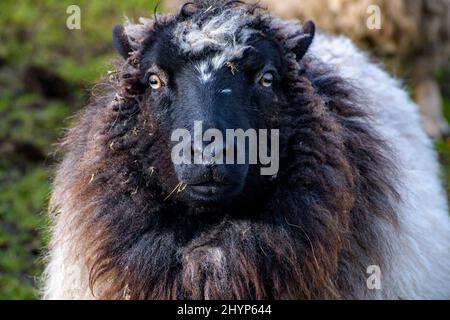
(211, 186)
(213, 192)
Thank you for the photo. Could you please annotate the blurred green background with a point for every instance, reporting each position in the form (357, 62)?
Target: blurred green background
(46, 71)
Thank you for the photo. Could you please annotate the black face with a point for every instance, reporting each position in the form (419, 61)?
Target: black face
(184, 89)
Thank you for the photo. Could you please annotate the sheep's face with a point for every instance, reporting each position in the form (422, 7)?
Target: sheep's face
(215, 91)
(209, 76)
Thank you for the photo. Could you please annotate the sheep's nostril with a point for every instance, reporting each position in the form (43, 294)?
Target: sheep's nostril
(208, 153)
(210, 157)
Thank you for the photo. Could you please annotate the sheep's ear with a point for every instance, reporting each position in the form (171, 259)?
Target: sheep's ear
(309, 29)
(120, 41)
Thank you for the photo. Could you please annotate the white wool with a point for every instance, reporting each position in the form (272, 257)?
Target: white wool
(227, 32)
(207, 67)
(224, 31)
(420, 257)
(204, 70)
(66, 275)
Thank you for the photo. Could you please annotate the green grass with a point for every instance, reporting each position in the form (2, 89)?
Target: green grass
(443, 147)
(34, 33)
(22, 203)
(37, 34)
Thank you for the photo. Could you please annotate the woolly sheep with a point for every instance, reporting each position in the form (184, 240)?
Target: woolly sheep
(357, 187)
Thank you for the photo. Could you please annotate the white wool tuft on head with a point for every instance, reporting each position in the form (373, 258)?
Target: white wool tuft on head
(228, 29)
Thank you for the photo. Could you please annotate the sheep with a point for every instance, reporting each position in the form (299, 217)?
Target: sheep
(414, 34)
(355, 211)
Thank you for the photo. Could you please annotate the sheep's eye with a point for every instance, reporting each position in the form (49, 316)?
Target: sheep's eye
(154, 82)
(266, 79)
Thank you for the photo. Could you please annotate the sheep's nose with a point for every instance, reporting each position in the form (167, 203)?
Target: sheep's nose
(210, 152)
